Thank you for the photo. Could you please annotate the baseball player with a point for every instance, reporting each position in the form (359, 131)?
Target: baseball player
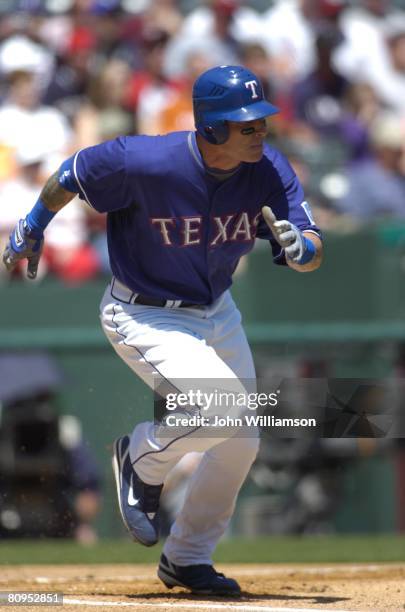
(182, 209)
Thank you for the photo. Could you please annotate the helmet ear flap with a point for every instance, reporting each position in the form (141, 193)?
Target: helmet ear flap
(217, 133)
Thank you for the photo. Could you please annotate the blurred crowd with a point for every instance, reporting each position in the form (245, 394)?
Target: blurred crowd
(74, 73)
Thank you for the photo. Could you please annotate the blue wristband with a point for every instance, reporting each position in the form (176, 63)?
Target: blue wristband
(309, 252)
(38, 218)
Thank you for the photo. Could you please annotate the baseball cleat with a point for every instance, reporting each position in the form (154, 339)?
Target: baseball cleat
(199, 579)
(138, 501)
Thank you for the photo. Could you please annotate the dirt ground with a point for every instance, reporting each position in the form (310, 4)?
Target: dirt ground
(265, 587)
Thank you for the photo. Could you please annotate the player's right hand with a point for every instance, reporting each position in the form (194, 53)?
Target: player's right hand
(24, 245)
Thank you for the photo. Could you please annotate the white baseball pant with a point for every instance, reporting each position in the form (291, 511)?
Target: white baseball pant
(178, 344)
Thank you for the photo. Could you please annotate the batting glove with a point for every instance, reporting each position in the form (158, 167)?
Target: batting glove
(23, 244)
(287, 235)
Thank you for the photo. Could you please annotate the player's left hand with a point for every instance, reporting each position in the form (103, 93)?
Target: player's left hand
(23, 245)
(287, 235)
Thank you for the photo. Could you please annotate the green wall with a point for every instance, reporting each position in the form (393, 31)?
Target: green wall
(350, 312)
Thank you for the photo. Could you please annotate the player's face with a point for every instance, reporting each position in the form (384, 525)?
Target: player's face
(246, 139)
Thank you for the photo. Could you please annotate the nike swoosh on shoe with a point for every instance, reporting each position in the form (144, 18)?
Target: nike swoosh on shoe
(132, 501)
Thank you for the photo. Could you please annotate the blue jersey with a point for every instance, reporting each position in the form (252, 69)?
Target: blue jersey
(175, 231)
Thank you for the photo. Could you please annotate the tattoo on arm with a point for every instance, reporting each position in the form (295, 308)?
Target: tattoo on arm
(54, 196)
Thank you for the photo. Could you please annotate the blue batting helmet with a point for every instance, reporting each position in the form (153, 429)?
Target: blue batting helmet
(227, 93)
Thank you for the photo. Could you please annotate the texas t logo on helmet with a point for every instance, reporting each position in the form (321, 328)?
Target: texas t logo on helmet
(252, 86)
(227, 93)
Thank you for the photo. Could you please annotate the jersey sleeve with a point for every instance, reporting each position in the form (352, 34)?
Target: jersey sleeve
(287, 200)
(101, 175)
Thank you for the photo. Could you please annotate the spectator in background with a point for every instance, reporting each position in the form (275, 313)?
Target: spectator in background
(374, 50)
(55, 30)
(376, 187)
(24, 120)
(163, 15)
(99, 27)
(178, 114)
(395, 32)
(69, 82)
(103, 117)
(318, 98)
(125, 66)
(216, 29)
(361, 107)
(395, 85)
(150, 90)
(288, 33)
(69, 254)
(22, 50)
(106, 21)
